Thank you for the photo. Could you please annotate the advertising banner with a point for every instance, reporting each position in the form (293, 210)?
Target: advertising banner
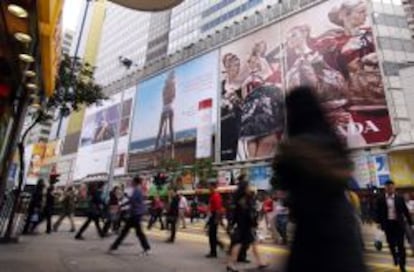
(402, 168)
(252, 101)
(260, 176)
(165, 112)
(381, 169)
(362, 173)
(37, 155)
(331, 47)
(204, 129)
(97, 136)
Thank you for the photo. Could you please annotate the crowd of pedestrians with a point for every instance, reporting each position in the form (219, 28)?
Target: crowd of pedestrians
(312, 211)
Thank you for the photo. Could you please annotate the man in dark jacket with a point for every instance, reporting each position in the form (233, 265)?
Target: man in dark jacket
(94, 212)
(391, 214)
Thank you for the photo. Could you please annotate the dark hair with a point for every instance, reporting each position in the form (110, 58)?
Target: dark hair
(137, 180)
(389, 182)
(241, 190)
(305, 115)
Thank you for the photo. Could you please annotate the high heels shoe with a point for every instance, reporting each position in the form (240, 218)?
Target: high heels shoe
(231, 269)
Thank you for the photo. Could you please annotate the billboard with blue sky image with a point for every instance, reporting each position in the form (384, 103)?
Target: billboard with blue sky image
(166, 110)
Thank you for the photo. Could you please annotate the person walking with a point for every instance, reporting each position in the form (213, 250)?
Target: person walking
(408, 230)
(392, 213)
(244, 234)
(156, 212)
(94, 213)
(194, 210)
(313, 166)
(113, 211)
(172, 215)
(137, 210)
(47, 210)
(35, 208)
(68, 209)
(282, 217)
(183, 208)
(216, 208)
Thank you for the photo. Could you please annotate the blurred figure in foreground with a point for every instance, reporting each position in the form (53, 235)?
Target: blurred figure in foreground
(68, 209)
(244, 234)
(314, 168)
(392, 213)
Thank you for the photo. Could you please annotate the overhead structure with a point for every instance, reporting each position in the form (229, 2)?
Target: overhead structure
(148, 5)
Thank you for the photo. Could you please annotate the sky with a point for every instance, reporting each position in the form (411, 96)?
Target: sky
(71, 11)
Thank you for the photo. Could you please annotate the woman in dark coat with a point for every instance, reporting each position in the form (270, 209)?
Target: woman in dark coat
(313, 166)
(245, 220)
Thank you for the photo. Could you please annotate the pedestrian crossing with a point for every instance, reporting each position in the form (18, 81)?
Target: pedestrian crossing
(196, 233)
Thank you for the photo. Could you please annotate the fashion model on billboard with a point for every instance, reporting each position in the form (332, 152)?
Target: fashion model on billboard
(166, 125)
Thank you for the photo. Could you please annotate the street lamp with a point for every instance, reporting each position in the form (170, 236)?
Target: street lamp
(148, 5)
(127, 63)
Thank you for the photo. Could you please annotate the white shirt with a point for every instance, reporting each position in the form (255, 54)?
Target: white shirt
(392, 213)
(183, 203)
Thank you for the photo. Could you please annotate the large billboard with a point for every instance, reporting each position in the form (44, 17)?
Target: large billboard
(97, 137)
(330, 47)
(166, 113)
(252, 111)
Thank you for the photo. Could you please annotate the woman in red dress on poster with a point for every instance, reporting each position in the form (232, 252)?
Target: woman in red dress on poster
(351, 51)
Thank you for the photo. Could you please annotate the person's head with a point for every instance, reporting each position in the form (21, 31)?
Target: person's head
(231, 64)
(40, 183)
(100, 186)
(137, 181)
(350, 15)
(259, 49)
(213, 185)
(304, 113)
(242, 189)
(297, 36)
(69, 189)
(389, 187)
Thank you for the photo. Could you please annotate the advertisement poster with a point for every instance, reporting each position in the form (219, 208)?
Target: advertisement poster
(224, 178)
(381, 169)
(37, 155)
(252, 100)
(165, 113)
(402, 168)
(260, 176)
(331, 47)
(362, 173)
(204, 129)
(97, 136)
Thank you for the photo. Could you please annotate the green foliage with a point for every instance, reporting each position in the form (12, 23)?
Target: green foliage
(75, 87)
(203, 169)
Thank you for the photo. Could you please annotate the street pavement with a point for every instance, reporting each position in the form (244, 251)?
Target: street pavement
(60, 252)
